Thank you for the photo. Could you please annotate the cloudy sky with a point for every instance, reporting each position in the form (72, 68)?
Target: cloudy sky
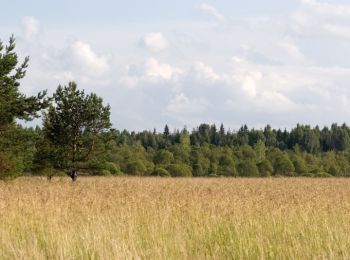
(186, 62)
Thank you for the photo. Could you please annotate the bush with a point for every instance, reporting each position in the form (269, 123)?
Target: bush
(334, 170)
(265, 168)
(149, 167)
(49, 172)
(179, 170)
(10, 166)
(161, 172)
(323, 175)
(103, 173)
(113, 168)
(226, 166)
(307, 174)
(136, 167)
(198, 170)
(281, 163)
(163, 157)
(299, 165)
(100, 168)
(247, 168)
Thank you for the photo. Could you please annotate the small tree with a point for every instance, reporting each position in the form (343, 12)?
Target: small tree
(72, 125)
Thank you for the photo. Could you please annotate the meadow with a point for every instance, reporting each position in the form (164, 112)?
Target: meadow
(169, 218)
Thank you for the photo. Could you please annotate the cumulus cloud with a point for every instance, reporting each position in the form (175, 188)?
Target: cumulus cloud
(204, 73)
(154, 42)
(180, 104)
(150, 71)
(154, 69)
(31, 27)
(322, 18)
(212, 11)
(327, 9)
(278, 70)
(84, 58)
(292, 49)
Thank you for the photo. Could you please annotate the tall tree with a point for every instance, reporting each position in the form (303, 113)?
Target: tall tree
(166, 132)
(72, 125)
(14, 104)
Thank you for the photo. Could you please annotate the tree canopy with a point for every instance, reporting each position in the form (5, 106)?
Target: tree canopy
(72, 124)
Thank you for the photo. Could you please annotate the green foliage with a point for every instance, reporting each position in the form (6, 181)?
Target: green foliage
(179, 170)
(281, 163)
(105, 167)
(73, 123)
(16, 143)
(322, 175)
(76, 136)
(14, 104)
(164, 157)
(198, 170)
(161, 172)
(136, 167)
(265, 168)
(299, 165)
(247, 168)
(226, 166)
(10, 166)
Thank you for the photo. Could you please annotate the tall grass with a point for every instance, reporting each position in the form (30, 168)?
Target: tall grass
(153, 218)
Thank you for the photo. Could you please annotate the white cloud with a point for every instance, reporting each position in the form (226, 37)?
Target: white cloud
(324, 8)
(154, 42)
(292, 49)
(315, 18)
(204, 73)
(212, 11)
(31, 27)
(155, 69)
(181, 104)
(86, 59)
(150, 71)
(283, 70)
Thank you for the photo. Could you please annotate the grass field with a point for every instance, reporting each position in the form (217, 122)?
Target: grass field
(153, 218)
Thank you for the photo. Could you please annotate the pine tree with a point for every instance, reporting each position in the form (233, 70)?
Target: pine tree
(72, 125)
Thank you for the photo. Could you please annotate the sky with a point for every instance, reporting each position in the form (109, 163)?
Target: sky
(188, 62)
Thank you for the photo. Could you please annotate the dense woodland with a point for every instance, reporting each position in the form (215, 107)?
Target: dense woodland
(76, 137)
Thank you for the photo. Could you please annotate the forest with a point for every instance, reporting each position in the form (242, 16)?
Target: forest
(77, 138)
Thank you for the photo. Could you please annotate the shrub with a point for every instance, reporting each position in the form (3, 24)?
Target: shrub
(113, 168)
(299, 165)
(10, 166)
(149, 167)
(281, 163)
(226, 166)
(334, 170)
(265, 168)
(161, 172)
(323, 175)
(247, 168)
(307, 174)
(198, 170)
(136, 167)
(179, 170)
(164, 157)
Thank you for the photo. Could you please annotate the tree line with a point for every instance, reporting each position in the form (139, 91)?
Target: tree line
(76, 138)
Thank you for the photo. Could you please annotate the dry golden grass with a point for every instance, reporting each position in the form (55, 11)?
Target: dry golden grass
(153, 218)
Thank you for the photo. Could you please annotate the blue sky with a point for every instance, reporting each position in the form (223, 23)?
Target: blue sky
(187, 62)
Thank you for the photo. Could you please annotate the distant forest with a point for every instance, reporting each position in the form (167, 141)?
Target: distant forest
(76, 138)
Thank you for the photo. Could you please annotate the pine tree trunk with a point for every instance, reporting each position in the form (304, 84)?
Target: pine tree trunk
(74, 175)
